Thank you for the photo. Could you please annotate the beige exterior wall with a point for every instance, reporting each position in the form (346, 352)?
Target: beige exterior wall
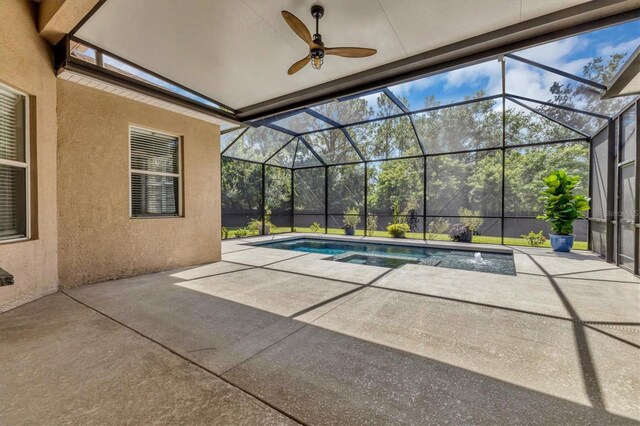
(27, 65)
(97, 239)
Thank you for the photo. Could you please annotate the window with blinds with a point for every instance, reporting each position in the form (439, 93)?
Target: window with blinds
(14, 165)
(155, 174)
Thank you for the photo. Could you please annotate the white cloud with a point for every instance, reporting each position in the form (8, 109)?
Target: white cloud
(554, 54)
(405, 89)
(625, 47)
(526, 81)
(574, 67)
(470, 75)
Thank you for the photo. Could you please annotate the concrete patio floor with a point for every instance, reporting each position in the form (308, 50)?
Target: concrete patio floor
(273, 336)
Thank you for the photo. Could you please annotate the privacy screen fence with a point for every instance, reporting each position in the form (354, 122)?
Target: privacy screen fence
(407, 153)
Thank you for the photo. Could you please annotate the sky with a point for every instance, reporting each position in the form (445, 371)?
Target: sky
(569, 55)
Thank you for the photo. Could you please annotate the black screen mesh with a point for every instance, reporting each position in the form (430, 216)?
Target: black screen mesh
(241, 192)
(309, 203)
(278, 198)
(526, 167)
(395, 186)
(465, 184)
(346, 189)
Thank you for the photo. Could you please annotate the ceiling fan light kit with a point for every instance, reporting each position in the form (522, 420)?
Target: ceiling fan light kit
(317, 51)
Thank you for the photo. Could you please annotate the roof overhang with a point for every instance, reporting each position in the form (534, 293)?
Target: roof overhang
(627, 80)
(68, 68)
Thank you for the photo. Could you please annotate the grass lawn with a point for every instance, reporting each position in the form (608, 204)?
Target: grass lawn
(477, 239)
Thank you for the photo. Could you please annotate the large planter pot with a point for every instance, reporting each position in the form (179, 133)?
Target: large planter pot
(561, 243)
(349, 230)
(460, 233)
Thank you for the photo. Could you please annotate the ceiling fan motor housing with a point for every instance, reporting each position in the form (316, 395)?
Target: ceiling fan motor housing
(317, 11)
(317, 53)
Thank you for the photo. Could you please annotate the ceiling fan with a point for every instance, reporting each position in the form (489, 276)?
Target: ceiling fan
(317, 51)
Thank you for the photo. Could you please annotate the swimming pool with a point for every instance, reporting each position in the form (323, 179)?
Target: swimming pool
(394, 255)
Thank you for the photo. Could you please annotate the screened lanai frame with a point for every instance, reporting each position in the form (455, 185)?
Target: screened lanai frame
(300, 138)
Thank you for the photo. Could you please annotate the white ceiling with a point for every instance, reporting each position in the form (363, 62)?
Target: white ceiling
(238, 52)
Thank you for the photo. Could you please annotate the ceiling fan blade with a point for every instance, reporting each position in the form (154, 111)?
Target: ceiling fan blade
(298, 65)
(350, 52)
(298, 27)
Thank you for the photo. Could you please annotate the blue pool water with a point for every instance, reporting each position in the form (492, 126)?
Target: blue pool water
(393, 256)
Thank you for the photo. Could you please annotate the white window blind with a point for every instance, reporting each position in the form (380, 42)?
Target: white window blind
(14, 165)
(155, 173)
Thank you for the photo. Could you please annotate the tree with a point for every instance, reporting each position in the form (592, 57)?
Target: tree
(583, 97)
(526, 167)
(395, 182)
(460, 128)
(241, 187)
(309, 190)
(332, 145)
(278, 191)
(346, 188)
(389, 138)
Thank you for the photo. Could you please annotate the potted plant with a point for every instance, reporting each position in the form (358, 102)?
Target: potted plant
(460, 233)
(470, 219)
(350, 220)
(562, 207)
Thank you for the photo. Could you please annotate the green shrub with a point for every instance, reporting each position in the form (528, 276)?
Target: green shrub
(372, 224)
(241, 232)
(254, 226)
(439, 226)
(315, 227)
(561, 206)
(225, 233)
(534, 240)
(398, 230)
(397, 212)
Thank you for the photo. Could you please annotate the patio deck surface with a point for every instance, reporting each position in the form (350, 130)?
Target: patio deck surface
(272, 336)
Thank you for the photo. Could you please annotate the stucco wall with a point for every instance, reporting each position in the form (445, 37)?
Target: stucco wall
(27, 65)
(97, 239)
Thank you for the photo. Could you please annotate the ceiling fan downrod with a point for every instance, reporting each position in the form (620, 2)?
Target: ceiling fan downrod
(317, 53)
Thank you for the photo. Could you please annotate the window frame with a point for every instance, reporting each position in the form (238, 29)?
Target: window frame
(179, 138)
(26, 165)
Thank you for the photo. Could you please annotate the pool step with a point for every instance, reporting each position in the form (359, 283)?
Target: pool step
(430, 261)
(378, 255)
